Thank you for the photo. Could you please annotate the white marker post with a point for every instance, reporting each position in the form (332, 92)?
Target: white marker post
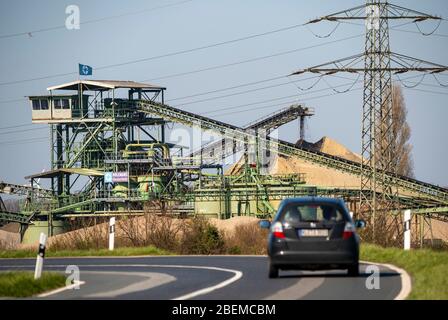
(407, 229)
(40, 256)
(111, 233)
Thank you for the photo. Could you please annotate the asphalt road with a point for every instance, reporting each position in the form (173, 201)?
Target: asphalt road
(207, 277)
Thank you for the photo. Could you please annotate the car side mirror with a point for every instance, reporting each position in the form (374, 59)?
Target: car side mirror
(359, 224)
(264, 224)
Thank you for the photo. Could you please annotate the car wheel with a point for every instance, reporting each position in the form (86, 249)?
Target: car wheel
(353, 270)
(273, 271)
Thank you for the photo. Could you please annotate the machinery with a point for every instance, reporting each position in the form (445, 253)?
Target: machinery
(110, 157)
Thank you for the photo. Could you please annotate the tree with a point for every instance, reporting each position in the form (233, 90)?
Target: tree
(402, 134)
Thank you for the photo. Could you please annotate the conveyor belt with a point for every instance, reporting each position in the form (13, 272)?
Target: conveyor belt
(416, 187)
(266, 123)
(23, 190)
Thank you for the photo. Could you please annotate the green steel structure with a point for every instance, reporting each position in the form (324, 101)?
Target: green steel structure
(109, 157)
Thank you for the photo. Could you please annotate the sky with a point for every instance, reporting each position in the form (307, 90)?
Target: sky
(114, 32)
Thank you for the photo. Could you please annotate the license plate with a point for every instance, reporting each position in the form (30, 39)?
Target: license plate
(313, 232)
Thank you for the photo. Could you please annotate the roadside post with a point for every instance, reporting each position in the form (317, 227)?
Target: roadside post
(111, 233)
(407, 229)
(40, 256)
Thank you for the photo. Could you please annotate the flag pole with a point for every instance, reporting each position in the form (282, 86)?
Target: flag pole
(80, 91)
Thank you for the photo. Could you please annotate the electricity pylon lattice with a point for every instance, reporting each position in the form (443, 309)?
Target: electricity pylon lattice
(378, 191)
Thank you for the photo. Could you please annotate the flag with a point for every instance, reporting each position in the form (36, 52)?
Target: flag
(85, 70)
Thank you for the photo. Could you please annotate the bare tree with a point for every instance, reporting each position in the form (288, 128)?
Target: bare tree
(402, 134)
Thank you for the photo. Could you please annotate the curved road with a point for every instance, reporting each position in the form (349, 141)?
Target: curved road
(208, 277)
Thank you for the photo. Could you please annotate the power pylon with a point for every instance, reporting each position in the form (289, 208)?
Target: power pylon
(378, 192)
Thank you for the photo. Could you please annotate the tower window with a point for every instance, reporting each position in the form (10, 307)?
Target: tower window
(44, 104)
(36, 105)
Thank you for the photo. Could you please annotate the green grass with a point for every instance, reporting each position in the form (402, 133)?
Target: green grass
(427, 268)
(20, 284)
(123, 251)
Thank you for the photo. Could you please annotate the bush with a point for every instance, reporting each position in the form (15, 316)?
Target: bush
(159, 231)
(88, 235)
(200, 237)
(247, 239)
(165, 232)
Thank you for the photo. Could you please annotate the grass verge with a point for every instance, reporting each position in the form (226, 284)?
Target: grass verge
(426, 267)
(21, 284)
(121, 251)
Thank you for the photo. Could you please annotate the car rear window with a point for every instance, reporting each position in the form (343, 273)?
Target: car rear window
(294, 213)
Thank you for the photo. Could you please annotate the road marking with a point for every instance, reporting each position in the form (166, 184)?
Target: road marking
(155, 279)
(50, 293)
(237, 274)
(146, 256)
(406, 282)
(298, 290)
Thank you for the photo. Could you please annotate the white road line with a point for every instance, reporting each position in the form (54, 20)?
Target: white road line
(50, 293)
(297, 291)
(236, 277)
(406, 282)
(237, 274)
(154, 279)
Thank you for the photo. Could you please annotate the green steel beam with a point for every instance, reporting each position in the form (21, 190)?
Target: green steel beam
(22, 218)
(420, 188)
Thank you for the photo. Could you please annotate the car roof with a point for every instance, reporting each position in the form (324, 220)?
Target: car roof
(326, 200)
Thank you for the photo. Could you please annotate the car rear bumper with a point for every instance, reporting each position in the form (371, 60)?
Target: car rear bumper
(318, 257)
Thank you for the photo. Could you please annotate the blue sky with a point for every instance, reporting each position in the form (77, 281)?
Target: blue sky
(198, 23)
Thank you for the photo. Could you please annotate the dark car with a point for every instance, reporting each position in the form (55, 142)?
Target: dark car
(313, 233)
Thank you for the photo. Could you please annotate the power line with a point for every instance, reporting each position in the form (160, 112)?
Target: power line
(351, 84)
(428, 91)
(329, 87)
(17, 126)
(23, 130)
(20, 141)
(271, 100)
(175, 53)
(250, 109)
(233, 64)
(396, 28)
(30, 33)
(13, 100)
(225, 108)
(214, 111)
(254, 59)
(418, 32)
(234, 94)
(242, 92)
(302, 100)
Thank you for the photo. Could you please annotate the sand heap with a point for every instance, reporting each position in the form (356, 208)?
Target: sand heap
(314, 174)
(330, 146)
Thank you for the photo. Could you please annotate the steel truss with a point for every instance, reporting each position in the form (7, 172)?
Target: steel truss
(378, 166)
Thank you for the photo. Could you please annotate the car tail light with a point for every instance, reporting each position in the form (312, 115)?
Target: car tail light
(349, 230)
(277, 230)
